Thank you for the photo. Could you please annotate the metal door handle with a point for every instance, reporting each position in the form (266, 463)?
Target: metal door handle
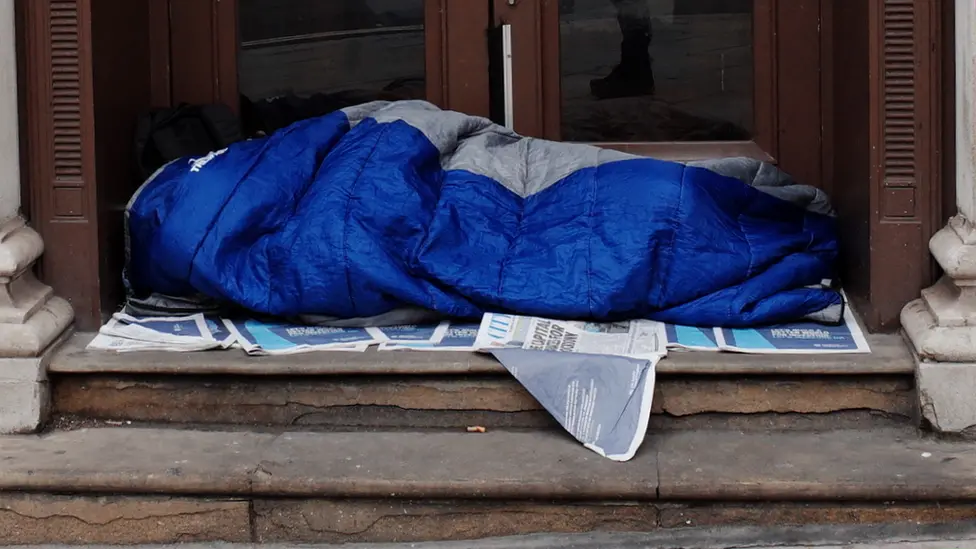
(507, 74)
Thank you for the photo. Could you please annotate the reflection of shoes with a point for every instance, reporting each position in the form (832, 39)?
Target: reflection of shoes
(623, 82)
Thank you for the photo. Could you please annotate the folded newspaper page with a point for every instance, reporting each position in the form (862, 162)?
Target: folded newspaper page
(410, 333)
(269, 338)
(797, 338)
(125, 333)
(457, 337)
(637, 339)
(603, 401)
(220, 332)
(690, 338)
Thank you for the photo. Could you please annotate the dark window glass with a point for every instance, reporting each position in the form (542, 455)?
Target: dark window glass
(336, 52)
(656, 70)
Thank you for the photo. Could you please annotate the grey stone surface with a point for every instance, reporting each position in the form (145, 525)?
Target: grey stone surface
(946, 393)
(23, 406)
(860, 465)
(132, 461)
(888, 464)
(889, 355)
(31, 321)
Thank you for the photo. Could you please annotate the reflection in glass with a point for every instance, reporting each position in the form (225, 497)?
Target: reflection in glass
(656, 70)
(303, 58)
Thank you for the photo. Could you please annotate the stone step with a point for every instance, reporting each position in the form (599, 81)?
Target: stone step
(890, 355)
(453, 402)
(189, 485)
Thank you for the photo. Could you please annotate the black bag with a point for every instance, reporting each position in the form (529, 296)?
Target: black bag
(186, 130)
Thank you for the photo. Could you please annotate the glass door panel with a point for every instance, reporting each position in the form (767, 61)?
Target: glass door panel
(656, 70)
(679, 79)
(310, 57)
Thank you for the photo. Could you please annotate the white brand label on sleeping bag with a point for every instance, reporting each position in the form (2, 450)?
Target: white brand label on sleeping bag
(198, 163)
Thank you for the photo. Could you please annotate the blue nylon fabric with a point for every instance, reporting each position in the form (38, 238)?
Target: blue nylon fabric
(323, 219)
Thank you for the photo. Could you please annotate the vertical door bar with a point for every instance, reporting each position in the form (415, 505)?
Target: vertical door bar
(509, 89)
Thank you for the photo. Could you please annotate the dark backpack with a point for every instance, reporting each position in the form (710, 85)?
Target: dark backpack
(168, 134)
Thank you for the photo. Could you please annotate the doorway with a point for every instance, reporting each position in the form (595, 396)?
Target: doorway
(673, 79)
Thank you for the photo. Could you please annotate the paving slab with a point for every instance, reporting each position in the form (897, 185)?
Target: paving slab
(890, 355)
(885, 464)
(496, 465)
(42, 518)
(131, 461)
(855, 465)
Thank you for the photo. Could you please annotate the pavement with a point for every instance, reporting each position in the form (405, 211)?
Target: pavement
(902, 536)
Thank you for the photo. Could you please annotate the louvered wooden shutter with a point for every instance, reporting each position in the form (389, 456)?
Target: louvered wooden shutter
(60, 148)
(906, 133)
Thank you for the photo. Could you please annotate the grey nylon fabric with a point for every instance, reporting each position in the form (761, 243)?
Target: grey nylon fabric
(523, 165)
(526, 165)
(770, 179)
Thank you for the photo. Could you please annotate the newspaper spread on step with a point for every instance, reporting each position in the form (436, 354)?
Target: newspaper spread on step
(644, 339)
(272, 338)
(596, 379)
(125, 333)
(457, 337)
(796, 338)
(410, 333)
(690, 338)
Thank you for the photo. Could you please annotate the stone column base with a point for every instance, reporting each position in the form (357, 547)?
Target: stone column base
(32, 320)
(942, 327)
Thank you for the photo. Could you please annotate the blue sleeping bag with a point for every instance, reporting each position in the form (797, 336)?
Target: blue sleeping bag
(392, 205)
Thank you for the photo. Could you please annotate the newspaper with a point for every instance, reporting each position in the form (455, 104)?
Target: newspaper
(410, 333)
(636, 339)
(690, 338)
(271, 338)
(125, 333)
(603, 401)
(457, 337)
(796, 338)
(220, 332)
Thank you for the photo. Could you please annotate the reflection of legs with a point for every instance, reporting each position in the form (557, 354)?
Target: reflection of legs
(633, 76)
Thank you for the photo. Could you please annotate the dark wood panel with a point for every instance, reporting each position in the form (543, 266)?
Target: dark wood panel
(193, 57)
(462, 37)
(160, 68)
(798, 89)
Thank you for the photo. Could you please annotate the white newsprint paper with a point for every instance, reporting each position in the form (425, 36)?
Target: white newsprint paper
(124, 333)
(643, 339)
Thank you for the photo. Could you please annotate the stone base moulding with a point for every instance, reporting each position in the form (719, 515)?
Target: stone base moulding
(942, 328)
(32, 321)
(31, 317)
(942, 324)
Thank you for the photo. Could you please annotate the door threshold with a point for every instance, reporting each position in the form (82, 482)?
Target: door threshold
(890, 354)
